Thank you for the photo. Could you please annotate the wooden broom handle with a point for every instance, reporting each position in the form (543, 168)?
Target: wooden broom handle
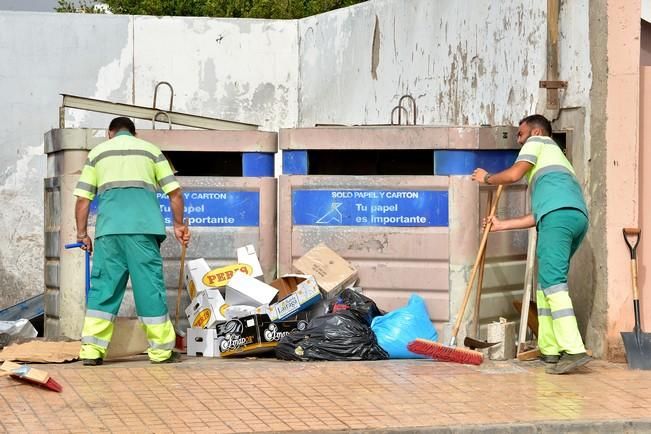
(181, 275)
(480, 253)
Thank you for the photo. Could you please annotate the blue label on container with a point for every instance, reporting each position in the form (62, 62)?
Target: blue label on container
(213, 208)
(370, 208)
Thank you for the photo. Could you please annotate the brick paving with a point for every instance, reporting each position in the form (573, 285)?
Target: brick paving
(267, 395)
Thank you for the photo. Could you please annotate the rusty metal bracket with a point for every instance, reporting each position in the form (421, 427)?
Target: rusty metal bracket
(552, 84)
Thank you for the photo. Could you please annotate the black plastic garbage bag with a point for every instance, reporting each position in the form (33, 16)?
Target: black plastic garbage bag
(336, 336)
(358, 303)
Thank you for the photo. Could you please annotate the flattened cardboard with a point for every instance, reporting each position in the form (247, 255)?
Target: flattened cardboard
(40, 351)
(331, 271)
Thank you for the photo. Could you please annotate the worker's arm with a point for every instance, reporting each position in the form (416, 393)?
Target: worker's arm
(82, 208)
(509, 176)
(523, 222)
(181, 230)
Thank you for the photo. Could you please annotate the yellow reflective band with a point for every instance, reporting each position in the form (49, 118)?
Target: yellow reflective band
(123, 153)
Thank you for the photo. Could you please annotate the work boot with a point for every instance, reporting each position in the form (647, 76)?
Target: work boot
(174, 358)
(549, 358)
(93, 362)
(568, 363)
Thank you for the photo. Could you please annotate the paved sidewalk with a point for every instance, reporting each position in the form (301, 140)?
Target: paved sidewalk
(222, 396)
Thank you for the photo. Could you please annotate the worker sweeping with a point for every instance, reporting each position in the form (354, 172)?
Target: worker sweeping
(561, 217)
(125, 174)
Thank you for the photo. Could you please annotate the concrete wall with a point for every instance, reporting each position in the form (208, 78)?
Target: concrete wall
(242, 70)
(478, 65)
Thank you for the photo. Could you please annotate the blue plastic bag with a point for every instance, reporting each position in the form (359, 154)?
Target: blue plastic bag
(396, 329)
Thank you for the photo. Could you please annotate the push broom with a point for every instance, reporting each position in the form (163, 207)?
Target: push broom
(451, 353)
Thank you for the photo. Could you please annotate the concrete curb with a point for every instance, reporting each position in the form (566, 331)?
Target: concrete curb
(545, 427)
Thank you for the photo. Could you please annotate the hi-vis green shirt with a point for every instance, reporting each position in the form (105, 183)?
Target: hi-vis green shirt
(552, 180)
(125, 173)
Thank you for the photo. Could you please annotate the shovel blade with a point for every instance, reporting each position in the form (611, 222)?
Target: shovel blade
(638, 350)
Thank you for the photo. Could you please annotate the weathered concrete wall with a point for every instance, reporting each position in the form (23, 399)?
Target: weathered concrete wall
(464, 66)
(44, 54)
(243, 70)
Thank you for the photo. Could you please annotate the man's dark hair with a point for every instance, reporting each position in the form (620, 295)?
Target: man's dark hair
(538, 121)
(122, 123)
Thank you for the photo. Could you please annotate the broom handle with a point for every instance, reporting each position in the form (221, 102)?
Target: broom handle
(178, 296)
(480, 253)
(480, 278)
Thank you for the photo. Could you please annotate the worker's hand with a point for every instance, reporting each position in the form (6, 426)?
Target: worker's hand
(496, 224)
(182, 234)
(478, 175)
(88, 243)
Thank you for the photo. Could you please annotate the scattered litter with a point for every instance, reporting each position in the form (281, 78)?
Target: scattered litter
(41, 351)
(397, 328)
(337, 336)
(30, 375)
(244, 289)
(12, 331)
(296, 293)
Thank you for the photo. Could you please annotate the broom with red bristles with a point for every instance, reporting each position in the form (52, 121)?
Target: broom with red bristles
(450, 353)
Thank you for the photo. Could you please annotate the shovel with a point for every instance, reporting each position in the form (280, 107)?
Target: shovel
(636, 343)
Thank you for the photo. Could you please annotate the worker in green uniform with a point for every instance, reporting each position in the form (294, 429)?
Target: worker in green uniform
(560, 216)
(125, 173)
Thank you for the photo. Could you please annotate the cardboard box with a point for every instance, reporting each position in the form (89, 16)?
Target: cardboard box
(246, 255)
(252, 335)
(206, 309)
(194, 272)
(331, 271)
(201, 342)
(247, 290)
(220, 277)
(296, 293)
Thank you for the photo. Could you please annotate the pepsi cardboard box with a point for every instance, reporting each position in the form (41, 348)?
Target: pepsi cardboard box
(253, 335)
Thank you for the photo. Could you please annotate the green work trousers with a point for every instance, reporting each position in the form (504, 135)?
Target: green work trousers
(116, 258)
(560, 233)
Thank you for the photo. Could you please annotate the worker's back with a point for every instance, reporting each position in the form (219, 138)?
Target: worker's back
(126, 173)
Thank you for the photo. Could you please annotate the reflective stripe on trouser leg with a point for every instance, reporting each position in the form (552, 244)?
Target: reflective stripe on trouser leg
(95, 336)
(161, 337)
(546, 339)
(566, 330)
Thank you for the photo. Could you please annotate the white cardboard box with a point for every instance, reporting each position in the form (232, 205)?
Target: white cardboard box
(247, 255)
(243, 289)
(205, 309)
(201, 342)
(299, 292)
(194, 272)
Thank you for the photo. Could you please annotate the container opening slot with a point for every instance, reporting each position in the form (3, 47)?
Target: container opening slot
(205, 163)
(371, 162)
